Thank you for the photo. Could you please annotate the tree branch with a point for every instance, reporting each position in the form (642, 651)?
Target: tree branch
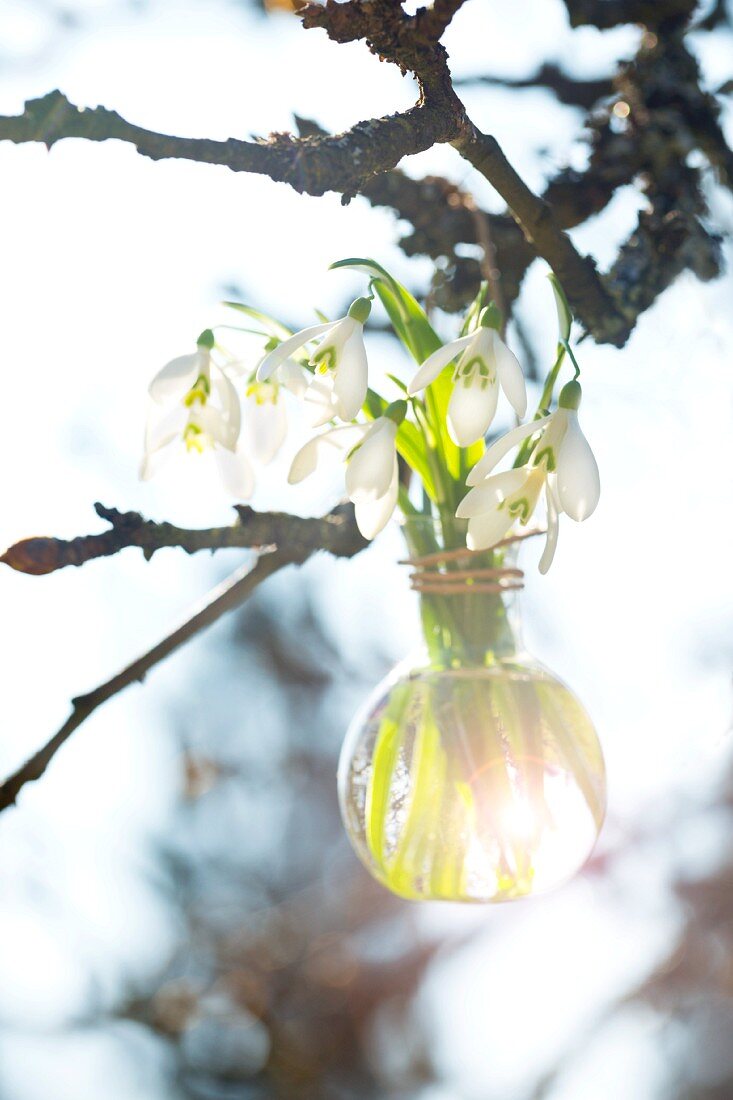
(572, 91)
(613, 13)
(591, 302)
(345, 543)
(665, 101)
(336, 533)
(342, 162)
(347, 161)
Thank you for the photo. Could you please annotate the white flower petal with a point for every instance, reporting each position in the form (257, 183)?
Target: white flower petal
(235, 368)
(341, 333)
(373, 515)
(369, 471)
(236, 473)
(350, 376)
(471, 409)
(212, 422)
(486, 497)
(578, 480)
(510, 375)
(336, 440)
(549, 445)
(284, 350)
(225, 396)
(153, 461)
(163, 425)
(177, 377)
(320, 401)
(292, 376)
(553, 525)
(502, 447)
(435, 363)
(265, 427)
(305, 461)
(486, 530)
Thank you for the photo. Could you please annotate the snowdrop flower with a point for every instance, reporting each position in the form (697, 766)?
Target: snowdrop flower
(372, 476)
(194, 402)
(485, 364)
(340, 383)
(264, 417)
(562, 464)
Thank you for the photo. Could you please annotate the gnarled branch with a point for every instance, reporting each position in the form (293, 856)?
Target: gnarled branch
(342, 162)
(347, 162)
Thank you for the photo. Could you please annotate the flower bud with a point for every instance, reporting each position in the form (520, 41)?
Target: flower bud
(360, 309)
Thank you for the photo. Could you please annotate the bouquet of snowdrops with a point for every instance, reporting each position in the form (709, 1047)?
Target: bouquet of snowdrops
(436, 423)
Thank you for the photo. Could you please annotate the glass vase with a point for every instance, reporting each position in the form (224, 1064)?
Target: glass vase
(472, 773)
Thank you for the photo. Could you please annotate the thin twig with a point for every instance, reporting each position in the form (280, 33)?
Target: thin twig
(345, 541)
(224, 598)
(488, 263)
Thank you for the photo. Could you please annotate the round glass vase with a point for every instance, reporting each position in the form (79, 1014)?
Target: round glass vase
(472, 773)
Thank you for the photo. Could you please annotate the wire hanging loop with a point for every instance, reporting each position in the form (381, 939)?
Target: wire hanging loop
(434, 573)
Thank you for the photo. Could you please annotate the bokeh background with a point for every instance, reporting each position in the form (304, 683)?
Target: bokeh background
(180, 913)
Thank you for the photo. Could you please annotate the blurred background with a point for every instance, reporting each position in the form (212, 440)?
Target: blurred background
(180, 912)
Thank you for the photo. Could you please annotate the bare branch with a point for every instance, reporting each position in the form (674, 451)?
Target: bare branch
(433, 21)
(668, 115)
(613, 13)
(342, 162)
(591, 302)
(224, 598)
(336, 533)
(573, 91)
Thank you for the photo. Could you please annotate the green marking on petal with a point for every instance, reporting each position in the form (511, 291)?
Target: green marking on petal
(324, 359)
(199, 392)
(547, 454)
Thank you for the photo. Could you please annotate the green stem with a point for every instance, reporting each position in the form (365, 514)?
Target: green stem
(434, 453)
(545, 400)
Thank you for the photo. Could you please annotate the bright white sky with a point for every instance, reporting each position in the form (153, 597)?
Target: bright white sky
(112, 265)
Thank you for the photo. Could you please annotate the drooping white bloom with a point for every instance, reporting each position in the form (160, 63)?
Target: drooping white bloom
(195, 403)
(264, 417)
(562, 464)
(372, 476)
(485, 364)
(340, 383)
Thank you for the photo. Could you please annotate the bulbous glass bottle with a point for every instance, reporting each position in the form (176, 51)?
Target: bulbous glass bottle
(472, 773)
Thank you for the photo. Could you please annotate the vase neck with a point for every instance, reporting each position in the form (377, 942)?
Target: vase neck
(469, 602)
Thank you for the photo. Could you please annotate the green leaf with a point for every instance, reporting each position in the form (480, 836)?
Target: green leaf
(470, 321)
(273, 328)
(270, 324)
(398, 382)
(564, 316)
(408, 318)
